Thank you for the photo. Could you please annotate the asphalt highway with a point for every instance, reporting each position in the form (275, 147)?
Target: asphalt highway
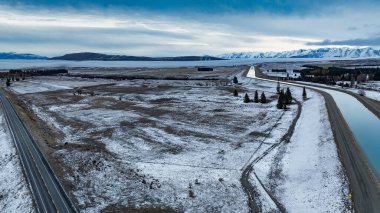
(47, 192)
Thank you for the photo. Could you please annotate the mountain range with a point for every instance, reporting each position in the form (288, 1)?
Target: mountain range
(349, 53)
(346, 53)
(88, 56)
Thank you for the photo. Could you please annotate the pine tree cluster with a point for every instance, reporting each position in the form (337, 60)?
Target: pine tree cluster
(256, 99)
(284, 99)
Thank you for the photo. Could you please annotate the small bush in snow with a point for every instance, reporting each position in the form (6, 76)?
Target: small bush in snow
(197, 182)
(361, 92)
(235, 80)
(236, 94)
(191, 194)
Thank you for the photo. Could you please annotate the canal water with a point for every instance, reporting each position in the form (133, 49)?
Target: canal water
(363, 123)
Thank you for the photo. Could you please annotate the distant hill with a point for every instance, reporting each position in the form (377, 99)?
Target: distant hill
(87, 56)
(27, 56)
(349, 53)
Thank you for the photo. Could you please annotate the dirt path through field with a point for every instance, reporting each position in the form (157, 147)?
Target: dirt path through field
(249, 189)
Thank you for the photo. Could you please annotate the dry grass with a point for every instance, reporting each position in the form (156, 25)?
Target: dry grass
(118, 208)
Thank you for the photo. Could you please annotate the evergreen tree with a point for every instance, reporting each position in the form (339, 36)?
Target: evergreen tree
(304, 95)
(235, 80)
(288, 96)
(8, 82)
(236, 94)
(246, 98)
(278, 87)
(280, 102)
(263, 99)
(256, 98)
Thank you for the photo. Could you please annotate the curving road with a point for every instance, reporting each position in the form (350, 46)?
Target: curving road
(48, 193)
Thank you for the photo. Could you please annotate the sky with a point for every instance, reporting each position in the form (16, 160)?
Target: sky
(185, 27)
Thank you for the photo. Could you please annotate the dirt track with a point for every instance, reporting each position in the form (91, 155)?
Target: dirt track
(249, 189)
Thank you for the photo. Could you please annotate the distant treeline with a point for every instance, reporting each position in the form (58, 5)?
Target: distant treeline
(338, 71)
(133, 77)
(39, 71)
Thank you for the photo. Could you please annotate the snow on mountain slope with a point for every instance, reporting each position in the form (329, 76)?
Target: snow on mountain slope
(302, 53)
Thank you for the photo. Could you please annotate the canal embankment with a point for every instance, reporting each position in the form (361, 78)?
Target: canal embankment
(351, 121)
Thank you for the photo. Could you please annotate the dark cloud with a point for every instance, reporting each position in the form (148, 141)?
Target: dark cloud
(350, 42)
(200, 6)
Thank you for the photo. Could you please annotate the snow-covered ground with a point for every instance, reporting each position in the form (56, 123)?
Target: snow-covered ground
(314, 179)
(14, 192)
(375, 95)
(371, 89)
(168, 139)
(287, 73)
(309, 174)
(305, 175)
(43, 83)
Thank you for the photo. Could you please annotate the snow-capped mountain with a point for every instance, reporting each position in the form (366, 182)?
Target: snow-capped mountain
(12, 55)
(310, 53)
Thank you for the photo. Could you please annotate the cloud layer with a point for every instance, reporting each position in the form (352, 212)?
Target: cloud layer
(350, 42)
(170, 27)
